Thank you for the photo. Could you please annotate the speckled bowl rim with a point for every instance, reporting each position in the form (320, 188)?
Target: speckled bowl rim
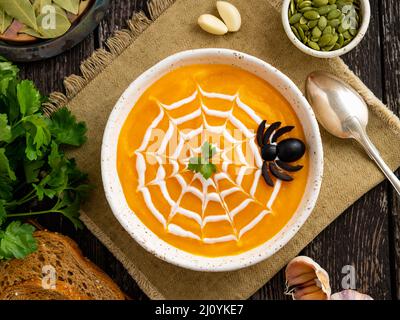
(366, 17)
(134, 226)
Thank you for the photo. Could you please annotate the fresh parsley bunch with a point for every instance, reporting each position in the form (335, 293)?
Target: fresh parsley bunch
(36, 177)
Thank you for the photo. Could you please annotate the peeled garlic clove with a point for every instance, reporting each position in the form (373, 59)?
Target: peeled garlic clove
(306, 280)
(350, 295)
(212, 24)
(230, 14)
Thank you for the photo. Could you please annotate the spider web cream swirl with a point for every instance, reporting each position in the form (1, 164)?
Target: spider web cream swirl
(203, 194)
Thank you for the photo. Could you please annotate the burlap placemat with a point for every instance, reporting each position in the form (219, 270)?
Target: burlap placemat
(348, 172)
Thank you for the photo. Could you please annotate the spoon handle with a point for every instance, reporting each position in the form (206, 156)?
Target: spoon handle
(359, 133)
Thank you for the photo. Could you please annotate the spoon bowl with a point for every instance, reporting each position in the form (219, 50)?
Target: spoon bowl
(334, 102)
(344, 114)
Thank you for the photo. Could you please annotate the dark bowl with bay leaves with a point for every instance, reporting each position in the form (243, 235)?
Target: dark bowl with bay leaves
(44, 49)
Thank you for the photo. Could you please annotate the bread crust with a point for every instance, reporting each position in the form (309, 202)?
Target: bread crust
(77, 278)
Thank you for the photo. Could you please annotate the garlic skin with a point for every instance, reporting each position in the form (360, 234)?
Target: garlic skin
(306, 280)
(212, 24)
(230, 14)
(350, 295)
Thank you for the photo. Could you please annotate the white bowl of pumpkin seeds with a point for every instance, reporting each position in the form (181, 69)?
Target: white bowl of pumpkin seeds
(326, 28)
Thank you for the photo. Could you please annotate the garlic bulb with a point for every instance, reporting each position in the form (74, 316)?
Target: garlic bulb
(306, 280)
(350, 295)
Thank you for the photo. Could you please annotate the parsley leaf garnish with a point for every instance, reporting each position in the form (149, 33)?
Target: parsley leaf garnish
(29, 98)
(202, 164)
(5, 129)
(17, 241)
(66, 129)
(36, 177)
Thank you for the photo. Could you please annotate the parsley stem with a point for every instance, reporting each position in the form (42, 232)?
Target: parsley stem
(30, 196)
(35, 213)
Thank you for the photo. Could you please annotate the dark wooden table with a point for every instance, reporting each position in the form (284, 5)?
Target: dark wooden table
(367, 236)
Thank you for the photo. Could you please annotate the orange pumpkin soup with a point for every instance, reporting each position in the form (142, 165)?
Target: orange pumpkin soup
(234, 210)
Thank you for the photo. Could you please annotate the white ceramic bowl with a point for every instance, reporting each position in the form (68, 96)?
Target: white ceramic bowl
(132, 223)
(365, 15)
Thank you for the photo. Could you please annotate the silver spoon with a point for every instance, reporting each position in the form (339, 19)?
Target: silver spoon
(343, 113)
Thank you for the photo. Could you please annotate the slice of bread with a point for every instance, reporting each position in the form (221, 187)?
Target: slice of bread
(57, 270)
(33, 290)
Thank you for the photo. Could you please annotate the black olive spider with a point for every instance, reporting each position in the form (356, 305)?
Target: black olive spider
(278, 155)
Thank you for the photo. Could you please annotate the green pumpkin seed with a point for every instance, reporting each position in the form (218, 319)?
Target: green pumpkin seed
(334, 14)
(334, 23)
(328, 48)
(340, 4)
(312, 15)
(347, 35)
(319, 3)
(314, 45)
(346, 23)
(346, 42)
(306, 9)
(334, 40)
(305, 4)
(353, 32)
(341, 29)
(322, 23)
(312, 24)
(303, 26)
(337, 46)
(292, 7)
(324, 10)
(341, 40)
(316, 33)
(295, 18)
(294, 30)
(301, 32)
(325, 40)
(303, 20)
(327, 30)
(332, 1)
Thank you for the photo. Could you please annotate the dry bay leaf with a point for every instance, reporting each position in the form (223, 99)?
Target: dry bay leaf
(38, 5)
(31, 32)
(83, 6)
(69, 5)
(62, 24)
(22, 10)
(12, 33)
(5, 21)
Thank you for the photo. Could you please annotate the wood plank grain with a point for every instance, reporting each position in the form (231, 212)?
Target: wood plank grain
(48, 74)
(390, 10)
(359, 237)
